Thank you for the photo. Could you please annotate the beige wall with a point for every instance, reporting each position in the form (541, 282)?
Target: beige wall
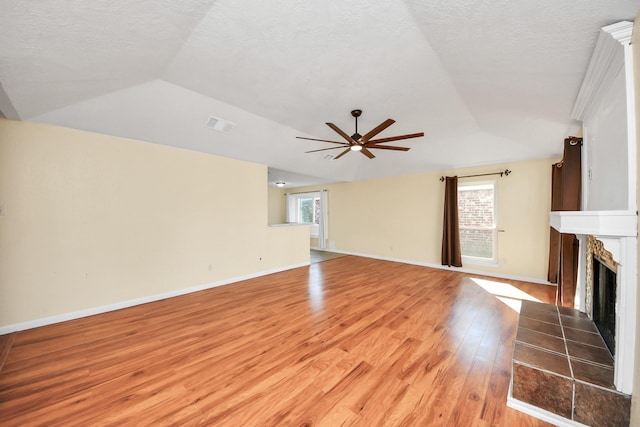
(401, 217)
(91, 220)
(276, 210)
(635, 45)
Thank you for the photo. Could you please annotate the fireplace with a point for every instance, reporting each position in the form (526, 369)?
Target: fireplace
(608, 241)
(601, 290)
(572, 366)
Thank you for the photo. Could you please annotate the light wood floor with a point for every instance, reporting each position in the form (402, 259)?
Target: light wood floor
(350, 341)
(321, 256)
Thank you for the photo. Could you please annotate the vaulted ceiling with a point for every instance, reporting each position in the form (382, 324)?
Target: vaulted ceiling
(487, 81)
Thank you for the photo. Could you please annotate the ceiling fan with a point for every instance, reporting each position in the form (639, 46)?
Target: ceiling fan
(357, 142)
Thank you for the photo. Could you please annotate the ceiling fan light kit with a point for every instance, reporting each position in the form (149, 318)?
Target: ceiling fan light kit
(357, 142)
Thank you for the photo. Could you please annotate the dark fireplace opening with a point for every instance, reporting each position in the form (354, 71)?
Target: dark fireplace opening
(604, 302)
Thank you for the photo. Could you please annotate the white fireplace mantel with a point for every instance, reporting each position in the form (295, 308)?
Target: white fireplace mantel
(608, 226)
(597, 223)
(618, 231)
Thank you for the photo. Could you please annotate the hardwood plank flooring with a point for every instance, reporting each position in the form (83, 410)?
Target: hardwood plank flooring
(350, 341)
(322, 255)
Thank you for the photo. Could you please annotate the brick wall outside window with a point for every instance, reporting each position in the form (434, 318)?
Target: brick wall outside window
(476, 217)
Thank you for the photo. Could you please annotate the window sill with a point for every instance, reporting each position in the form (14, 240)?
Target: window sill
(480, 261)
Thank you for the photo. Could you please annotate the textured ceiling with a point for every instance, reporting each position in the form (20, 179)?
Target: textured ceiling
(486, 81)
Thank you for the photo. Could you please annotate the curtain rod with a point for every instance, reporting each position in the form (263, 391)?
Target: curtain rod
(505, 172)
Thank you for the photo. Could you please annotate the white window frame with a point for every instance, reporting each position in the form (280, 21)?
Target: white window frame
(296, 213)
(478, 185)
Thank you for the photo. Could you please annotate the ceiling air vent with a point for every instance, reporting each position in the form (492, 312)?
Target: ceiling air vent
(220, 125)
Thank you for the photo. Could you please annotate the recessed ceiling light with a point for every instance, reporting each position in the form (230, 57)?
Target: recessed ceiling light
(280, 184)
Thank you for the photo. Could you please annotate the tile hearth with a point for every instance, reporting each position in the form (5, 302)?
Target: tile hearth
(562, 365)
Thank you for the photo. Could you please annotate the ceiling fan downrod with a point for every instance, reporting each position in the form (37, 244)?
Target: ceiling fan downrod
(356, 113)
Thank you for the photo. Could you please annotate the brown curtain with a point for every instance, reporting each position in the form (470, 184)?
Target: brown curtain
(451, 254)
(554, 235)
(565, 196)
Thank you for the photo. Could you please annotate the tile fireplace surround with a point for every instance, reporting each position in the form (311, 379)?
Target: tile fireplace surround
(561, 365)
(562, 371)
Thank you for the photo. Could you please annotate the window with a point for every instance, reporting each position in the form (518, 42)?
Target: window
(477, 219)
(309, 210)
(304, 208)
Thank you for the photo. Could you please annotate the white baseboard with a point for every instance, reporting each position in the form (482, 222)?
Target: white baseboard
(540, 413)
(444, 267)
(137, 301)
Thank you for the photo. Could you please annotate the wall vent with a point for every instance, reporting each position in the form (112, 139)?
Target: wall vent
(220, 125)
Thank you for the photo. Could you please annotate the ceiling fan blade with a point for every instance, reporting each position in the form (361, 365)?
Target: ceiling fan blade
(389, 147)
(395, 138)
(322, 140)
(341, 133)
(342, 154)
(323, 149)
(367, 153)
(376, 130)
